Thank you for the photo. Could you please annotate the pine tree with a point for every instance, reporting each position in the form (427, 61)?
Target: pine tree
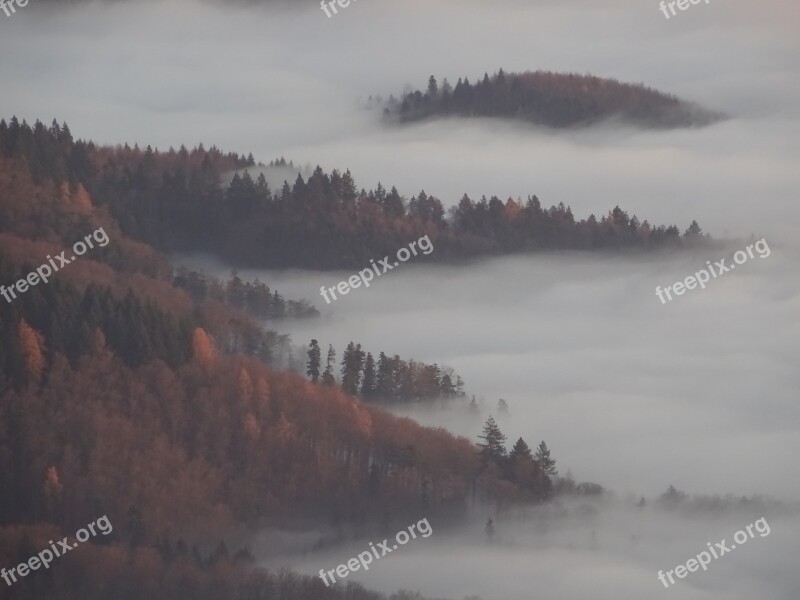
(524, 471)
(542, 457)
(520, 451)
(385, 385)
(493, 446)
(447, 389)
(314, 358)
(327, 376)
(369, 382)
(352, 364)
(433, 88)
(693, 231)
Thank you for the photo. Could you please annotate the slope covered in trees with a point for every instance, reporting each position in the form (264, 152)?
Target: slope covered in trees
(387, 379)
(253, 297)
(125, 392)
(175, 201)
(550, 99)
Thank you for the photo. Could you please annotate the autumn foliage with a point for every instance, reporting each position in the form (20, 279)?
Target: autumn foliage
(123, 394)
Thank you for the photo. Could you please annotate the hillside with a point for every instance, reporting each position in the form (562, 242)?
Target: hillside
(555, 100)
(122, 394)
(175, 201)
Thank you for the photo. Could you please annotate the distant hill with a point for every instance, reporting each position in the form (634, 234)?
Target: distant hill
(550, 99)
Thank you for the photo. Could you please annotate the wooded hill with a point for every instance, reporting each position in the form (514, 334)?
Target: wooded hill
(175, 201)
(552, 99)
(123, 394)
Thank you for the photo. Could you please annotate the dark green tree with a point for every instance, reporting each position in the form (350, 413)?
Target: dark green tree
(327, 375)
(314, 358)
(433, 87)
(520, 451)
(542, 457)
(352, 365)
(369, 382)
(385, 388)
(493, 447)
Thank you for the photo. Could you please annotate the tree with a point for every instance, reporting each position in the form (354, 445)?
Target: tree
(524, 470)
(32, 346)
(369, 382)
(672, 497)
(314, 358)
(385, 388)
(352, 364)
(542, 457)
(327, 375)
(203, 347)
(493, 446)
(447, 389)
(694, 231)
(433, 88)
(520, 451)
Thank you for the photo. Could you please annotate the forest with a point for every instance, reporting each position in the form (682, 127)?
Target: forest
(153, 396)
(555, 100)
(176, 201)
(387, 380)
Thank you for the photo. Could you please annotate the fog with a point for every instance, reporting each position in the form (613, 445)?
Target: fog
(700, 392)
(609, 550)
(628, 392)
(276, 81)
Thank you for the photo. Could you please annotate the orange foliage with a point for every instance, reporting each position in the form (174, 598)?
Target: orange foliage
(203, 347)
(32, 345)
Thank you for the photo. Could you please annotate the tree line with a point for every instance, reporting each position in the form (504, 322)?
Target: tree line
(551, 99)
(255, 297)
(389, 379)
(176, 201)
(531, 472)
(124, 392)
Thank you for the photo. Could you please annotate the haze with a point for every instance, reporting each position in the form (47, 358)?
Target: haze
(700, 393)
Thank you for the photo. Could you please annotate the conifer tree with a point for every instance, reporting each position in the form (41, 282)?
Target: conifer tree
(327, 376)
(542, 457)
(369, 382)
(314, 358)
(352, 364)
(433, 88)
(493, 446)
(385, 385)
(520, 451)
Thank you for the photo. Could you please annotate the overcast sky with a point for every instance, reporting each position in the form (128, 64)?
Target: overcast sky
(289, 81)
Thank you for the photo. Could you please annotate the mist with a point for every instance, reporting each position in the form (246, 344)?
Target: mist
(630, 393)
(626, 391)
(292, 82)
(608, 549)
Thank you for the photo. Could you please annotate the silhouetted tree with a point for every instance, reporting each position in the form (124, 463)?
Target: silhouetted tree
(314, 358)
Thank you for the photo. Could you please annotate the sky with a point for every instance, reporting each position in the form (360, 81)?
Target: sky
(700, 392)
(275, 81)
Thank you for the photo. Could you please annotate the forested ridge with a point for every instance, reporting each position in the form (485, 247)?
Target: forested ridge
(389, 379)
(148, 396)
(552, 99)
(175, 201)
